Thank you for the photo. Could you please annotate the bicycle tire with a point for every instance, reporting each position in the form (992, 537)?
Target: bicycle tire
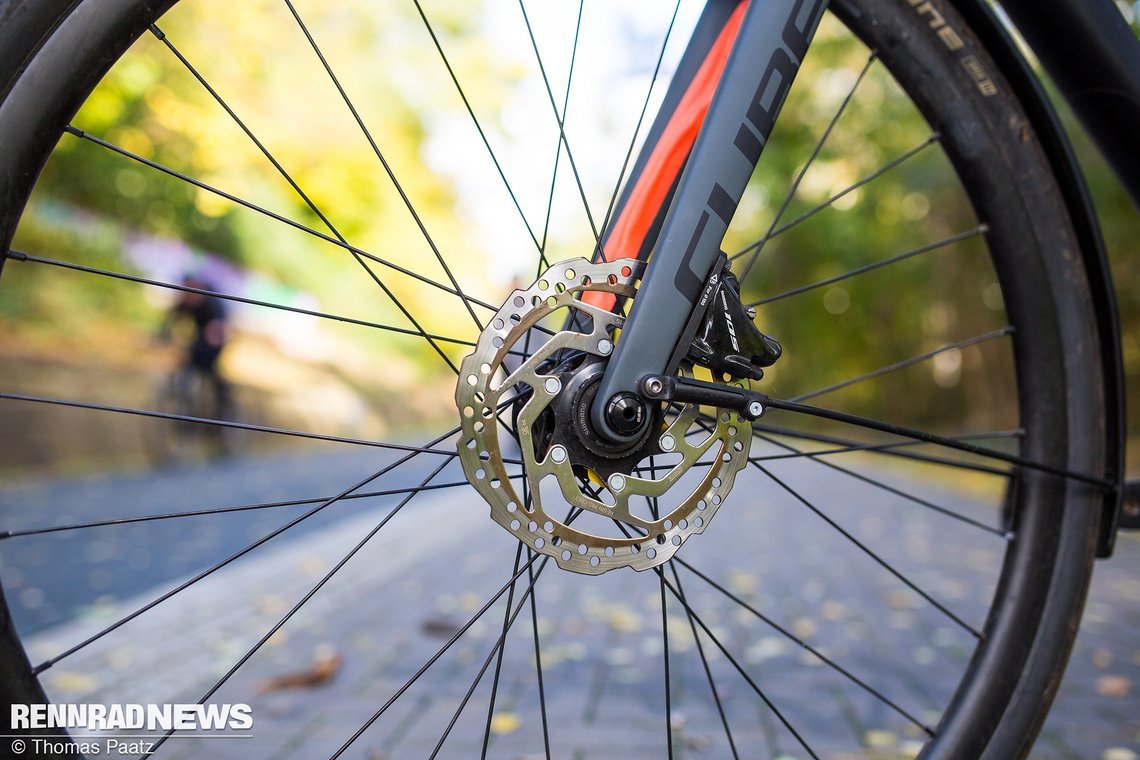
(68, 45)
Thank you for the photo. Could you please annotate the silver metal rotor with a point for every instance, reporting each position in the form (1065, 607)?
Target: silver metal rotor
(485, 384)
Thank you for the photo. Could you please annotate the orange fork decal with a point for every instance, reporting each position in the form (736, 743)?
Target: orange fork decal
(667, 159)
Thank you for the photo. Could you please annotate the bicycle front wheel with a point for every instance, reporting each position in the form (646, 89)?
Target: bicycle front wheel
(389, 179)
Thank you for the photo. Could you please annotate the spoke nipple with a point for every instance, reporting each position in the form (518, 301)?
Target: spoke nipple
(552, 386)
(605, 348)
(755, 409)
(617, 482)
(558, 454)
(668, 443)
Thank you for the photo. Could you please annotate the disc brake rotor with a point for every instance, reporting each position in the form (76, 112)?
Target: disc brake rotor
(712, 446)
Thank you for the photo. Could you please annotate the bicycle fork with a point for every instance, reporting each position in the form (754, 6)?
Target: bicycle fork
(700, 154)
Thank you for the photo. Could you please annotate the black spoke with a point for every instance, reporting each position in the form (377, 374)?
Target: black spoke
(870, 553)
(271, 214)
(979, 230)
(508, 620)
(229, 424)
(884, 448)
(478, 126)
(665, 646)
(800, 642)
(888, 488)
(383, 161)
(735, 664)
(1007, 330)
(561, 124)
(889, 449)
(297, 189)
(538, 661)
(919, 435)
(27, 257)
(300, 603)
(499, 647)
(705, 665)
(542, 261)
(807, 165)
(933, 138)
(236, 555)
(5, 534)
(443, 650)
(640, 119)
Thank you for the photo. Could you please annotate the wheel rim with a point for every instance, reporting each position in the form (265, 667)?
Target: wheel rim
(1026, 562)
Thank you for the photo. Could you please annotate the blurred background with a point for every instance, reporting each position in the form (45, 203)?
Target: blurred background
(66, 330)
(72, 334)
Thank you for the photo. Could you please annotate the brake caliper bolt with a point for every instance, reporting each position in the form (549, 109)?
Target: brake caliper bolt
(605, 348)
(558, 454)
(755, 409)
(617, 482)
(552, 386)
(668, 443)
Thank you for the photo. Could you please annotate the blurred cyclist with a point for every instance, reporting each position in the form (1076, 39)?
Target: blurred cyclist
(208, 316)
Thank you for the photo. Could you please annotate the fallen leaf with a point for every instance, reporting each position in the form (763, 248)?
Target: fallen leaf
(440, 627)
(1113, 686)
(505, 723)
(324, 667)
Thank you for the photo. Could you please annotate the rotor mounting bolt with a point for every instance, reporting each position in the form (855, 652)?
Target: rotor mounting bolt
(552, 386)
(617, 482)
(668, 443)
(755, 409)
(558, 454)
(605, 348)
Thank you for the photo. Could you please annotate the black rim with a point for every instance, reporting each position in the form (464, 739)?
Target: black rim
(1039, 497)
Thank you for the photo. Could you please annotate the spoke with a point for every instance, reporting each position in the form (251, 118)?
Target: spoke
(478, 126)
(811, 159)
(508, 620)
(383, 161)
(889, 449)
(665, 645)
(979, 230)
(300, 603)
(640, 119)
(229, 424)
(27, 257)
(561, 124)
(500, 645)
(705, 664)
(733, 661)
(919, 435)
(542, 261)
(933, 138)
(872, 447)
(442, 650)
(1007, 330)
(236, 555)
(871, 553)
(538, 660)
(800, 642)
(271, 214)
(890, 489)
(297, 189)
(225, 510)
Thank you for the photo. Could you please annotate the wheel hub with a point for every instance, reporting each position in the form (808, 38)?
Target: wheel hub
(636, 511)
